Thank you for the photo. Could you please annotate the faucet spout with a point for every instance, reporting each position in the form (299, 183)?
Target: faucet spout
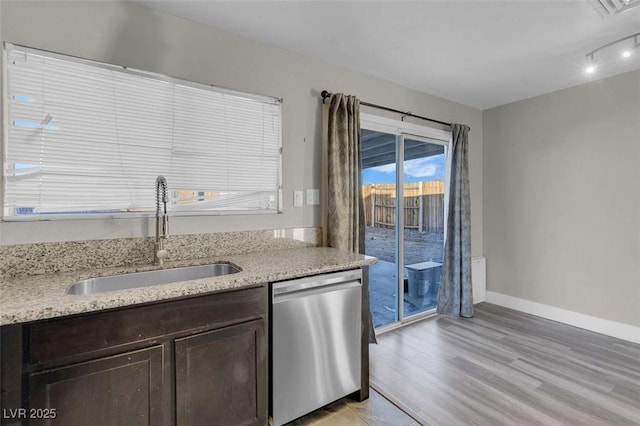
(162, 220)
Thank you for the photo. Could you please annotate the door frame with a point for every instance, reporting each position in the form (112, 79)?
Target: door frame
(404, 130)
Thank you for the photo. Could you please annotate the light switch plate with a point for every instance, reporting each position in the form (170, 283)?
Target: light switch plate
(298, 198)
(313, 197)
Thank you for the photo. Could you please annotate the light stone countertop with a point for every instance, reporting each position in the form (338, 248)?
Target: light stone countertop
(37, 297)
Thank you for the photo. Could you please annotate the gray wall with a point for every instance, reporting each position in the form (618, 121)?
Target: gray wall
(130, 35)
(562, 199)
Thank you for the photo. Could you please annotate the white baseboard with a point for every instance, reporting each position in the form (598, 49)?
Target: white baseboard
(576, 319)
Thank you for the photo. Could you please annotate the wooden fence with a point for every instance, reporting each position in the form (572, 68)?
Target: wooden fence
(423, 205)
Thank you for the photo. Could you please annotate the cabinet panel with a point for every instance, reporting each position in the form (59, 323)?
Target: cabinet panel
(86, 336)
(125, 389)
(221, 377)
(10, 374)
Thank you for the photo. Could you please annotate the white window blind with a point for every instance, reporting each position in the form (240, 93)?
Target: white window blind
(86, 138)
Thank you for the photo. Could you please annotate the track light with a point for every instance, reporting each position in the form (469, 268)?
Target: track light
(590, 68)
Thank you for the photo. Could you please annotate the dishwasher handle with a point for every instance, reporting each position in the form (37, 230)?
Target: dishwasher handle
(315, 285)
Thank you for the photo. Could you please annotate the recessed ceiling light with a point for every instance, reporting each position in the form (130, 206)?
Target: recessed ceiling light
(590, 69)
(626, 53)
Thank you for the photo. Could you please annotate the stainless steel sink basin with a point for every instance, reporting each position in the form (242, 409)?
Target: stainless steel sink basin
(149, 278)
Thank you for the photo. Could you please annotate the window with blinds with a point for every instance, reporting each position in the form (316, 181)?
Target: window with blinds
(86, 138)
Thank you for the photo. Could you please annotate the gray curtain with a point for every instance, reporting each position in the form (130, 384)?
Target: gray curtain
(455, 295)
(345, 206)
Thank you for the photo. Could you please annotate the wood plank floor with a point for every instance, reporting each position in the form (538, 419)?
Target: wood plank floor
(504, 367)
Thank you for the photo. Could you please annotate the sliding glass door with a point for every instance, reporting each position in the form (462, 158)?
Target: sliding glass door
(404, 188)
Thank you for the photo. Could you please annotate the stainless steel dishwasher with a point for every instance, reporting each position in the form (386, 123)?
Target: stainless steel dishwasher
(315, 342)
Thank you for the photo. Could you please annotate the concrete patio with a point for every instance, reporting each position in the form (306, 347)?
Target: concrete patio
(382, 287)
(418, 247)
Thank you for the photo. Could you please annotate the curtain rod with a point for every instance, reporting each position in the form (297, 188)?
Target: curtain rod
(325, 94)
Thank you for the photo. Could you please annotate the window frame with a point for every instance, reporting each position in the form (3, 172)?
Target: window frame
(7, 46)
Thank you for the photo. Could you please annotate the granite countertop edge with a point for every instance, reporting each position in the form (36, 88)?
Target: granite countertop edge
(38, 297)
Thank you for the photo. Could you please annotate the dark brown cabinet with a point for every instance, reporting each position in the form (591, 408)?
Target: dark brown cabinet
(209, 395)
(196, 361)
(123, 389)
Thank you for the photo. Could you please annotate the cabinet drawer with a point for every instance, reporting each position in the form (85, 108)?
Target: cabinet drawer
(87, 335)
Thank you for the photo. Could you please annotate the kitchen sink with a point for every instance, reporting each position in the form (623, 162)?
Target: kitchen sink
(149, 278)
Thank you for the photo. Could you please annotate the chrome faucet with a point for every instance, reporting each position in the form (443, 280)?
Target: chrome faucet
(162, 220)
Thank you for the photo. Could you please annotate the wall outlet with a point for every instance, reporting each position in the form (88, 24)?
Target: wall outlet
(298, 198)
(313, 197)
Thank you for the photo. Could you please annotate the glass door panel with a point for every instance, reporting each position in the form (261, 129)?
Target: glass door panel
(422, 241)
(378, 152)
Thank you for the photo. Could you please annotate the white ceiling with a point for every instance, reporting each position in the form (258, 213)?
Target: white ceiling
(479, 53)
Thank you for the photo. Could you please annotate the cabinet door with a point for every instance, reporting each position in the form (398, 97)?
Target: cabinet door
(221, 377)
(124, 389)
